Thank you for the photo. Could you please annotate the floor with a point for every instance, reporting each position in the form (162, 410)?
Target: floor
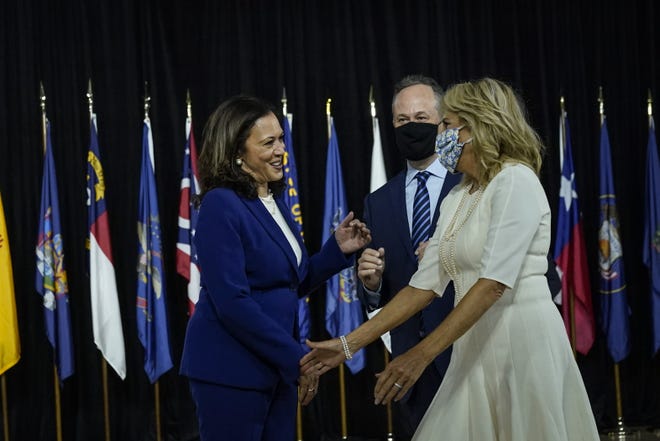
(633, 434)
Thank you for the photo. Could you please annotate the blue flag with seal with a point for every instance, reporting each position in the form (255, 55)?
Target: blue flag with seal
(343, 311)
(51, 281)
(651, 251)
(151, 311)
(613, 299)
(292, 201)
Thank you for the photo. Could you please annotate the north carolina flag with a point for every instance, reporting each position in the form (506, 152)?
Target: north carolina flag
(10, 344)
(571, 258)
(50, 281)
(186, 252)
(292, 201)
(106, 316)
(151, 311)
(651, 251)
(613, 298)
(343, 310)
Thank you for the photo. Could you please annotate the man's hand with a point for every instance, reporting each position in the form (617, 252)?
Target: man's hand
(371, 265)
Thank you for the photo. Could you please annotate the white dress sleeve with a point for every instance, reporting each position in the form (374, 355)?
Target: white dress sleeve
(515, 218)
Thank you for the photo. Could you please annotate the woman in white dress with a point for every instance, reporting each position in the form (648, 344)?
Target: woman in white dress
(512, 375)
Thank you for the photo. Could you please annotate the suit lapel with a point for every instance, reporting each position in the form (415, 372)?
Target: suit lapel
(272, 229)
(450, 181)
(294, 229)
(397, 198)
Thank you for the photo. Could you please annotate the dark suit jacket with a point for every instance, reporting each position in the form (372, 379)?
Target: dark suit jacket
(244, 329)
(385, 214)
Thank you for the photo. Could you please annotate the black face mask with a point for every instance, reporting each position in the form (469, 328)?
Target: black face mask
(416, 141)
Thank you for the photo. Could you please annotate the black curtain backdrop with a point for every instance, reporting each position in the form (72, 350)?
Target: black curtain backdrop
(317, 50)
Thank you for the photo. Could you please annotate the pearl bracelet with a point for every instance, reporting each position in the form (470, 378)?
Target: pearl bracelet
(347, 351)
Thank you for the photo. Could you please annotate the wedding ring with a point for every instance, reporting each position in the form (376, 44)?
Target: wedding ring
(310, 390)
(398, 386)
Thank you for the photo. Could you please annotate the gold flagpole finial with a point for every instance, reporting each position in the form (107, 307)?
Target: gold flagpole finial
(42, 97)
(42, 100)
(188, 104)
(601, 102)
(372, 103)
(649, 104)
(562, 103)
(329, 115)
(147, 100)
(90, 97)
(283, 100)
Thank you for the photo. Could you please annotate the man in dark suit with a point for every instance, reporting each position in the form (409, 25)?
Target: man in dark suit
(393, 215)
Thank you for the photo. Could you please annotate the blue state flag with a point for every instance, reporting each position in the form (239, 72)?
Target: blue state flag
(151, 311)
(343, 311)
(292, 201)
(51, 281)
(613, 298)
(651, 252)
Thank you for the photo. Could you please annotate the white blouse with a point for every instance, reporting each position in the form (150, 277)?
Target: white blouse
(274, 211)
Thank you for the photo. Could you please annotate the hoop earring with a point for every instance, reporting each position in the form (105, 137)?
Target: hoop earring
(239, 161)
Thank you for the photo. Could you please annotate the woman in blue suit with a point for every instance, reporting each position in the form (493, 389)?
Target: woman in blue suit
(241, 350)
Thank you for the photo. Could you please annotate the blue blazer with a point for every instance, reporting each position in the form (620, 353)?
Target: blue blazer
(244, 329)
(385, 214)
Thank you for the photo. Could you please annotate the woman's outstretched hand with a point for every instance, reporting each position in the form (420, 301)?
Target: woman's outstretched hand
(398, 377)
(324, 356)
(308, 386)
(352, 234)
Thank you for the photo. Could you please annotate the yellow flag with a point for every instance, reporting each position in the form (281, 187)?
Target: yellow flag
(10, 346)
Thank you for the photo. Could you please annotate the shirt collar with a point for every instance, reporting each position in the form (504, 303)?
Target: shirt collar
(435, 168)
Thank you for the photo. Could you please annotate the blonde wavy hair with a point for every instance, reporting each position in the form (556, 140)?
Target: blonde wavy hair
(497, 119)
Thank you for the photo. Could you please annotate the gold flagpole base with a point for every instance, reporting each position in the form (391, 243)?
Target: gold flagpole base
(623, 433)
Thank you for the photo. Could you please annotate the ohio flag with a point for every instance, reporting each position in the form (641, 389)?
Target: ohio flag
(186, 252)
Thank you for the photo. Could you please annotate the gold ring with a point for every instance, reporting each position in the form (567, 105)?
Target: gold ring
(397, 385)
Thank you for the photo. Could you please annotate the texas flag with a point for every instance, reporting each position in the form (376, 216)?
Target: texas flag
(571, 258)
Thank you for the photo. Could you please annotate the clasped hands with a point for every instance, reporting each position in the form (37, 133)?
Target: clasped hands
(393, 382)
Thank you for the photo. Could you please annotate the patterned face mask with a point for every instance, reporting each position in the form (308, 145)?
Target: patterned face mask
(449, 149)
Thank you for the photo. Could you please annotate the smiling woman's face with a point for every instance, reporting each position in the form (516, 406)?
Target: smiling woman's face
(264, 152)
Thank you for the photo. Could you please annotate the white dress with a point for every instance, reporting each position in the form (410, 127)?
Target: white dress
(512, 376)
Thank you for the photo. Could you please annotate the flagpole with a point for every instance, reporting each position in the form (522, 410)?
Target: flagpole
(58, 413)
(5, 416)
(147, 106)
(571, 292)
(299, 427)
(104, 365)
(621, 431)
(342, 381)
(386, 354)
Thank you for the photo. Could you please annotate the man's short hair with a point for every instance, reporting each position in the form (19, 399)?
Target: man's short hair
(412, 80)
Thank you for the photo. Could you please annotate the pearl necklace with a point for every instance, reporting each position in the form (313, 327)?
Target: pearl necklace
(448, 258)
(269, 203)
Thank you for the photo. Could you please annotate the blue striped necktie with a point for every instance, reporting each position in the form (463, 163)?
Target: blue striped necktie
(421, 223)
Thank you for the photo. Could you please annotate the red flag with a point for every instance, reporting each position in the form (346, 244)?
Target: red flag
(571, 258)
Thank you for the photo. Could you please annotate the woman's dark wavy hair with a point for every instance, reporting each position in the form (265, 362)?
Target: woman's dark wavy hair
(224, 138)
